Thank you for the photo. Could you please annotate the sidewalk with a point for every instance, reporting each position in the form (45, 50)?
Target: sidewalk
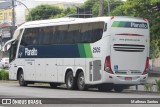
(141, 87)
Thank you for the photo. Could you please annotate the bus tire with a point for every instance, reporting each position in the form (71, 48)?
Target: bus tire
(105, 87)
(70, 81)
(118, 88)
(21, 80)
(53, 85)
(81, 82)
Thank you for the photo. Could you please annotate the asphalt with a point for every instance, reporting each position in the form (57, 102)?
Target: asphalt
(151, 80)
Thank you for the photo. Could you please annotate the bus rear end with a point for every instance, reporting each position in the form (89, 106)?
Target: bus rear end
(128, 61)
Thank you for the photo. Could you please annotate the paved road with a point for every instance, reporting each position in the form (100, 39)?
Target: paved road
(13, 90)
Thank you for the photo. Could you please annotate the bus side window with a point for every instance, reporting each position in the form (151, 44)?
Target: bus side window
(47, 35)
(73, 33)
(25, 38)
(84, 29)
(52, 39)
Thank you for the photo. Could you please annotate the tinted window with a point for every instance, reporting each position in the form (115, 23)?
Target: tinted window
(30, 37)
(63, 34)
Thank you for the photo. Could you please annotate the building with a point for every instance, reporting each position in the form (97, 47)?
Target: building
(6, 16)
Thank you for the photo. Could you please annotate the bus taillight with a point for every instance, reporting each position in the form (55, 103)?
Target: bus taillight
(146, 66)
(107, 65)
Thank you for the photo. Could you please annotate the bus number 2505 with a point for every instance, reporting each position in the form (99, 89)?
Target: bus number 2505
(96, 49)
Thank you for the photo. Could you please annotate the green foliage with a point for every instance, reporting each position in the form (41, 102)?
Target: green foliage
(154, 48)
(148, 87)
(158, 85)
(4, 75)
(94, 5)
(66, 12)
(89, 4)
(44, 12)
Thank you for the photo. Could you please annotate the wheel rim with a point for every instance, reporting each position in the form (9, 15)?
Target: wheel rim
(81, 81)
(70, 81)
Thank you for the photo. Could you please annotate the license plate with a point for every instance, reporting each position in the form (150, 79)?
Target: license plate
(128, 78)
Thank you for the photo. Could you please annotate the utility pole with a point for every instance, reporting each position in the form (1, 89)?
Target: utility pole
(101, 7)
(108, 8)
(13, 14)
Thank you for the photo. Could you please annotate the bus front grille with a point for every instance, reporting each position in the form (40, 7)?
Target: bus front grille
(128, 47)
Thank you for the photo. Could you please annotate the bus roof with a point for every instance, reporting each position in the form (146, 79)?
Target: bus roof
(67, 20)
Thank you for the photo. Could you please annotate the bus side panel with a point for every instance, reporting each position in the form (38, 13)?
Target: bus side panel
(40, 69)
(51, 70)
(29, 71)
(14, 66)
(88, 73)
(80, 64)
(60, 70)
(68, 65)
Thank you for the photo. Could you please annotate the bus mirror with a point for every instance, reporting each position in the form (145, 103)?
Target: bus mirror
(6, 47)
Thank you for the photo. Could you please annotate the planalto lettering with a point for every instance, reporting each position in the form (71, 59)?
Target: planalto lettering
(31, 52)
(138, 25)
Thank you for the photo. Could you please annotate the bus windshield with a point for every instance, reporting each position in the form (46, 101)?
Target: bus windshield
(14, 44)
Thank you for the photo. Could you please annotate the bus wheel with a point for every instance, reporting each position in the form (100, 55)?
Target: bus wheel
(22, 82)
(105, 87)
(118, 88)
(53, 85)
(81, 82)
(70, 81)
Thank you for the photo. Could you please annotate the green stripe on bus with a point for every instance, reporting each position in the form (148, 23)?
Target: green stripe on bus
(115, 24)
(88, 51)
(81, 50)
(122, 24)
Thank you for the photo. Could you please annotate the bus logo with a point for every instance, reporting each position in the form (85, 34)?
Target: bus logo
(138, 25)
(125, 24)
(31, 52)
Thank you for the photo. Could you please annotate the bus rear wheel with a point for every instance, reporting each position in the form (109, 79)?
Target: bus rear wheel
(81, 82)
(70, 81)
(118, 88)
(22, 82)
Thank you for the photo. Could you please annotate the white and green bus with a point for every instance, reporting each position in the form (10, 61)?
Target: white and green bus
(104, 52)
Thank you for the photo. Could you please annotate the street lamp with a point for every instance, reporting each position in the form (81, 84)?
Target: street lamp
(30, 15)
(13, 12)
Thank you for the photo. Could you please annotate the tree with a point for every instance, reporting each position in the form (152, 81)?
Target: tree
(101, 7)
(94, 6)
(44, 12)
(66, 12)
